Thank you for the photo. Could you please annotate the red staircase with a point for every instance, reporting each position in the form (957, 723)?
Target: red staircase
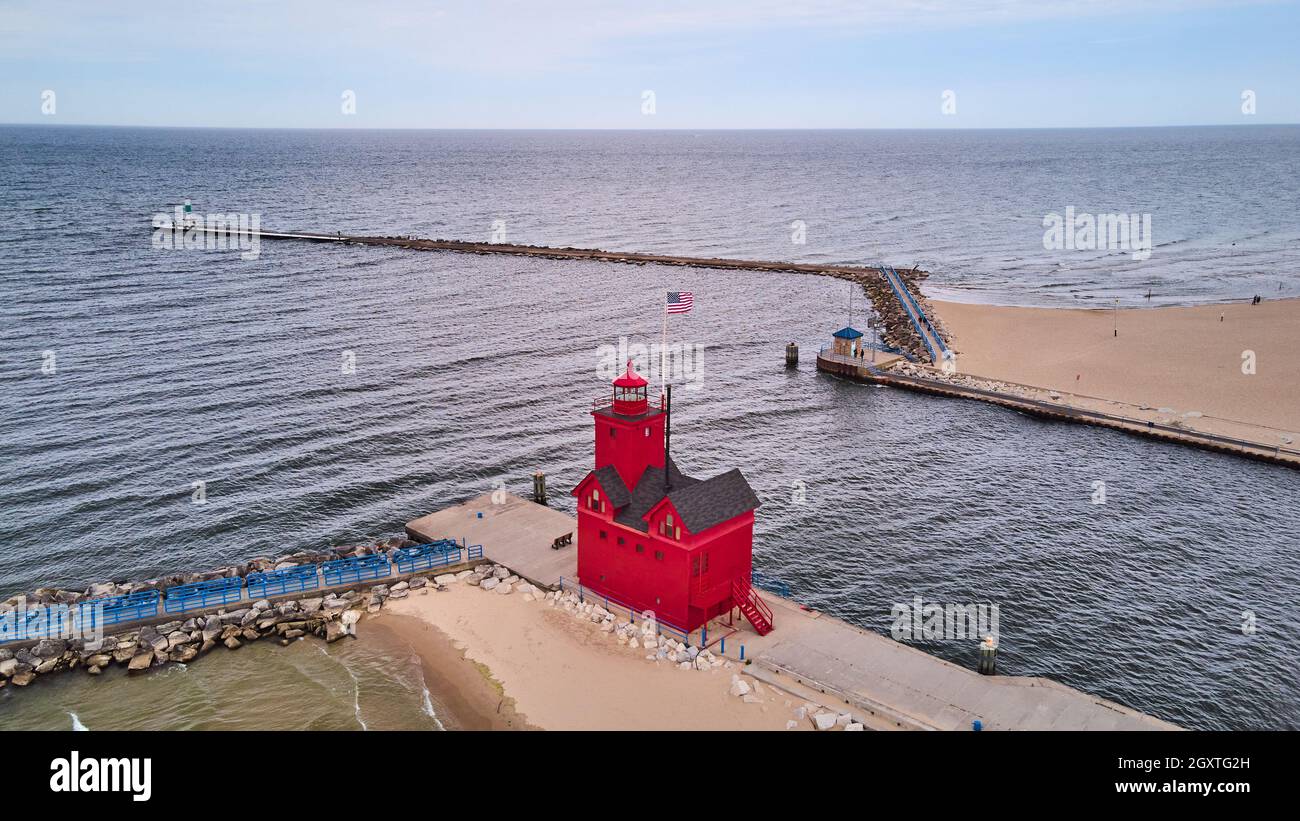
(754, 608)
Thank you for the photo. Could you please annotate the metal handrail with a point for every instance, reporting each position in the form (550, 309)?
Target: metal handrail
(920, 311)
(607, 400)
(908, 310)
(145, 604)
(746, 591)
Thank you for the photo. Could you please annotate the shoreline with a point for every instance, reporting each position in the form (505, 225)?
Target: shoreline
(472, 698)
(1225, 369)
(564, 673)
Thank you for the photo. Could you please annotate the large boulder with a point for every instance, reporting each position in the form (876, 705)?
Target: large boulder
(140, 661)
(349, 621)
(184, 654)
(12, 667)
(49, 648)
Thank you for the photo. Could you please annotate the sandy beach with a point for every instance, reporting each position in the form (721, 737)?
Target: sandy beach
(545, 669)
(1175, 364)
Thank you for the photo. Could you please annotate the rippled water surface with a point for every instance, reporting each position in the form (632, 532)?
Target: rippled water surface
(177, 367)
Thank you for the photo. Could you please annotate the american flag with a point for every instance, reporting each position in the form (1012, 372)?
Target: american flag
(680, 302)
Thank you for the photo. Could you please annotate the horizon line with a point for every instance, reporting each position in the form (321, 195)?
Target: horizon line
(37, 124)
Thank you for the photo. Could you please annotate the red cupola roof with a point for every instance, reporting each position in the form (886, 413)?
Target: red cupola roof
(630, 379)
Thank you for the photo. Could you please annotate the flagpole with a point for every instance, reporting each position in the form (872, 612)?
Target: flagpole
(663, 352)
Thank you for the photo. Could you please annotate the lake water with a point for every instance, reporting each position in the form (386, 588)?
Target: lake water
(177, 367)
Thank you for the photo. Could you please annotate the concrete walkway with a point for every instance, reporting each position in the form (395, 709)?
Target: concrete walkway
(895, 685)
(514, 532)
(915, 690)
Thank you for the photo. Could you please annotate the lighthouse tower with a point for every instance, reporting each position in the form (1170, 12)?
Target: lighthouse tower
(629, 432)
(652, 538)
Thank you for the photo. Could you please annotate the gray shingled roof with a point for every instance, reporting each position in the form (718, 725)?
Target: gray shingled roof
(649, 490)
(713, 501)
(615, 490)
(701, 504)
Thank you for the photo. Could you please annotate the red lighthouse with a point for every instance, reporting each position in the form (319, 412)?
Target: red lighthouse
(654, 538)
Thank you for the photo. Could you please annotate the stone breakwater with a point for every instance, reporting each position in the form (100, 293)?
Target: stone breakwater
(898, 330)
(330, 615)
(49, 595)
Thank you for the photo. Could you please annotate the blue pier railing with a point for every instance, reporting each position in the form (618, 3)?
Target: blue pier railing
(131, 607)
(213, 592)
(943, 349)
(356, 568)
(895, 283)
(63, 620)
(37, 623)
(442, 553)
(276, 582)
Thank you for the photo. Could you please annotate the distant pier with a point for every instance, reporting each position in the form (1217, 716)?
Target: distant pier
(905, 324)
(934, 381)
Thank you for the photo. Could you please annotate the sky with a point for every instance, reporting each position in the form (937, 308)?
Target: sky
(656, 65)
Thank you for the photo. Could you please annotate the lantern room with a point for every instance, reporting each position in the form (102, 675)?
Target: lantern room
(630, 393)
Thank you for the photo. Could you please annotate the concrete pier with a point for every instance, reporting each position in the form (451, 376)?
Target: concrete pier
(894, 685)
(514, 532)
(881, 374)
